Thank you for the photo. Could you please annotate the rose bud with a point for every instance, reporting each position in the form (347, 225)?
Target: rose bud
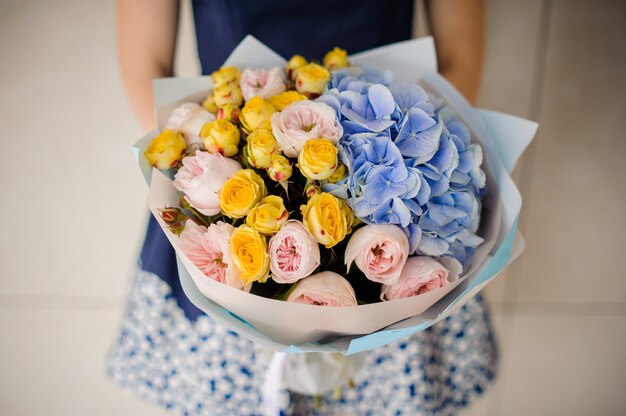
(325, 289)
(171, 215)
(338, 174)
(282, 100)
(296, 61)
(166, 149)
(227, 94)
(226, 75)
(209, 103)
(311, 80)
(279, 169)
(220, 136)
(318, 159)
(311, 189)
(174, 219)
(336, 59)
(229, 112)
(348, 214)
(256, 114)
(260, 146)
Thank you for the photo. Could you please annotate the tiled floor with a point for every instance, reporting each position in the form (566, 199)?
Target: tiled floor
(560, 310)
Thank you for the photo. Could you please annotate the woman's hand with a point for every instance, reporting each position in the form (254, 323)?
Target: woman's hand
(146, 38)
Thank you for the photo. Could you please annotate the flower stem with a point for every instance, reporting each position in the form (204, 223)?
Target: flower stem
(199, 216)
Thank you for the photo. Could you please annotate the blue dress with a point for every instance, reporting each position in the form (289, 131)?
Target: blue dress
(173, 354)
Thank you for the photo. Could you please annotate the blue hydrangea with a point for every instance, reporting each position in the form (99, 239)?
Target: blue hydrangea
(410, 162)
(379, 183)
(451, 217)
(468, 172)
(342, 79)
(461, 253)
(418, 138)
(408, 96)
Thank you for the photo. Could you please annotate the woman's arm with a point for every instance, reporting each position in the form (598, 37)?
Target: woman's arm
(146, 38)
(457, 26)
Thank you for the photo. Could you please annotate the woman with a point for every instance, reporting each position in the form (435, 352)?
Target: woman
(171, 352)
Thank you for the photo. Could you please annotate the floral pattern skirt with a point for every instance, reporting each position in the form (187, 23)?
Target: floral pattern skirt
(201, 368)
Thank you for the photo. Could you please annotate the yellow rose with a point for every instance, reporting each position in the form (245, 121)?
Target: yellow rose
(249, 252)
(260, 147)
(280, 169)
(241, 192)
(336, 59)
(282, 100)
(268, 216)
(225, 94)
(256, 114)
(296, 61)
(165, 149)
(338, 174)
(311, 80)
(209, 103)
(327, 218)
(318, 159)
(220, 136)
(226, 75)
(229, 112)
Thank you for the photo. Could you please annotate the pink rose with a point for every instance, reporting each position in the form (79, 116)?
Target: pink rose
(325, 288)
(201, 176)
(379, 251)
(209, 249)
(422, 274)
(304, 120)
(294, 253)
(188, 119)
(261, 82)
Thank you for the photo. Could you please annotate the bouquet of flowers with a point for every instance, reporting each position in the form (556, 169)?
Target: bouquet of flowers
(313, 203)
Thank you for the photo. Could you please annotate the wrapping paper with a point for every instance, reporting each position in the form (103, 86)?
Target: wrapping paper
(289, 327)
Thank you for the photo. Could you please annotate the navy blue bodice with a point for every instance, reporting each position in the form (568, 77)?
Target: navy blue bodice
(292, 27)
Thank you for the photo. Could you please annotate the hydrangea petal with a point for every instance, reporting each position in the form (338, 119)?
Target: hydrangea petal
(419, 137)
(468, 239)
(432, 246)
(381, 100)
(408, 95)
(412, 205)
(393, 212)
(446, 159)
(424, 192)
(330, 100)
(414, 234)
(443, 214)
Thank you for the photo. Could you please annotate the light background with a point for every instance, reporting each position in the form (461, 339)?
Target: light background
(73, 206)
